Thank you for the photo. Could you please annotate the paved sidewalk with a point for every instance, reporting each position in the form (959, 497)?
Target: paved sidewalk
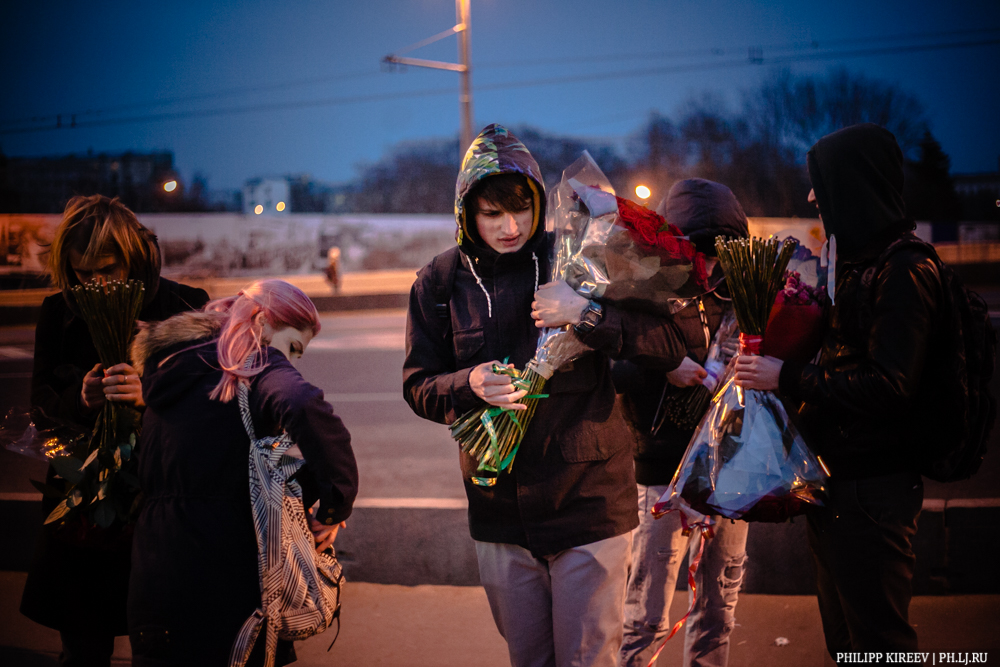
(445, 626)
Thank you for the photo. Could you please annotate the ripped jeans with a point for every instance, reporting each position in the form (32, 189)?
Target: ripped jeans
(658, 548)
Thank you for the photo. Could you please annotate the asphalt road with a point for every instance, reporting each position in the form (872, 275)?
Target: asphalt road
(357, 360)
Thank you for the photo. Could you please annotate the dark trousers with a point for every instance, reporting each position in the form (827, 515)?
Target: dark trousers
(86, 648)
(861, 542)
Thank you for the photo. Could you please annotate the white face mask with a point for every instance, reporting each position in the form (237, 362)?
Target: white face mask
(828, 259)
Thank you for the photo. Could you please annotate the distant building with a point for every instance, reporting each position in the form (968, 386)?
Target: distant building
(298, 193)
(45, 184)
(267, 196)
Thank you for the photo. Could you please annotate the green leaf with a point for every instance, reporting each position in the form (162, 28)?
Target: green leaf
(47, 491)
(61, 510)
(104, 513)
(74, 498)
(68, 468)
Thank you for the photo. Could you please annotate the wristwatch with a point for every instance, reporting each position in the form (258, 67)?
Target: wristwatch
(589, 318)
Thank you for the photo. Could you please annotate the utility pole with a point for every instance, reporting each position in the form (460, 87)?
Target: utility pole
(463, 67)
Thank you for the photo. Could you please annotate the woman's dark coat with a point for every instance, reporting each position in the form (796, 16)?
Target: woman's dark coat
(194, 557)
(69, 584)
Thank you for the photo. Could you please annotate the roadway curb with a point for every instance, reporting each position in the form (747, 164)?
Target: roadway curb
(13, 315)
(419, 541)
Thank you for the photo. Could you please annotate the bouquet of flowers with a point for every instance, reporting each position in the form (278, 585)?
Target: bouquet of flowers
(606, 248)
(746, 459)
(102, 482)
(798, 320)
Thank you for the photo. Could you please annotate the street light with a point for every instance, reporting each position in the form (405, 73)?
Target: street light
(280, 207)
(642, 192)
(170, 186)
(258, 209)
(462, 28)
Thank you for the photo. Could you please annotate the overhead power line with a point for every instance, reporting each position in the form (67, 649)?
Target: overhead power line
(77, 118)
(752, 59)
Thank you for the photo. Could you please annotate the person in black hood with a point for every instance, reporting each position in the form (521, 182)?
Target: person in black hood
(876, 368)
(702, 210)
(79, 586)
(553, 535)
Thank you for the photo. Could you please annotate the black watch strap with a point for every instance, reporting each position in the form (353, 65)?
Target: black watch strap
(590, 318)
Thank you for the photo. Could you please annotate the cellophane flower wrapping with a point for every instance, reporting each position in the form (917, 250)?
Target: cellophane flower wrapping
(607, 249)
(746, 460)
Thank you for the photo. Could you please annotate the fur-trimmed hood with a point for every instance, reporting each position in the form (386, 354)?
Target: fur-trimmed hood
(154, 337)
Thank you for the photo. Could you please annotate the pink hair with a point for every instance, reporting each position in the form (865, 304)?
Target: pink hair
(282, 304)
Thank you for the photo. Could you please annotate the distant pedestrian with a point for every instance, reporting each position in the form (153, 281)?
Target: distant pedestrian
(78, 583)
(879, 364)
(194, 575)
(702, 210)
(333, 273)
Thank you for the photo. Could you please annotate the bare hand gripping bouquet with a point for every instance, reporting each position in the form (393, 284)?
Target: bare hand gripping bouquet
(746, 459)
(102, 474)
(610, 250)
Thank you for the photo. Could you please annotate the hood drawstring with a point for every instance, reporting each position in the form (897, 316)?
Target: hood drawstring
(489, 301)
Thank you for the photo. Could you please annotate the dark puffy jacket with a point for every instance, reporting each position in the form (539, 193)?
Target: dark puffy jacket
(572, 482)
(878, 360)
(194, 556)
(641, 389)
(65, 576)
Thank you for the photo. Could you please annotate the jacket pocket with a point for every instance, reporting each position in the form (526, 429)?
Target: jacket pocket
(591, 441)
(467, 343)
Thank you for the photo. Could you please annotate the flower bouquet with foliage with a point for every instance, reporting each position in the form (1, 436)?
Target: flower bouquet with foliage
(607, 249)
(101, 472)
(747, 460)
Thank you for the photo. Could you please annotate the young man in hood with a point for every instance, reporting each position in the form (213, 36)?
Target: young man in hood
(553, 535)
(702, 210)
(878, 366)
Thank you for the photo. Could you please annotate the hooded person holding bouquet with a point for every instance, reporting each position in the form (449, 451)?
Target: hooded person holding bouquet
(877, 367)
(553, 535)
(702, 210)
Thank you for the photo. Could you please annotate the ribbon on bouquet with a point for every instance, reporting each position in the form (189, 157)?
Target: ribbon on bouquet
(706, 531)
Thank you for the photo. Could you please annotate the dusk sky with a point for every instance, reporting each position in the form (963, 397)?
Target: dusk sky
(244, 89)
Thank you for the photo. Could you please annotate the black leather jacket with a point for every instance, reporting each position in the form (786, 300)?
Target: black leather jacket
(876, 367)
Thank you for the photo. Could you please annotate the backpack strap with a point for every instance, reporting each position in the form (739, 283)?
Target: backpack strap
(443, 270)
(868, 276)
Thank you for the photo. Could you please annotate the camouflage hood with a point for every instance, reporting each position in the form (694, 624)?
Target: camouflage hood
(497, 151)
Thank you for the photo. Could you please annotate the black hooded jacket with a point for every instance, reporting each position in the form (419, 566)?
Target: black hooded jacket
(878, 361)
(572, 482)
